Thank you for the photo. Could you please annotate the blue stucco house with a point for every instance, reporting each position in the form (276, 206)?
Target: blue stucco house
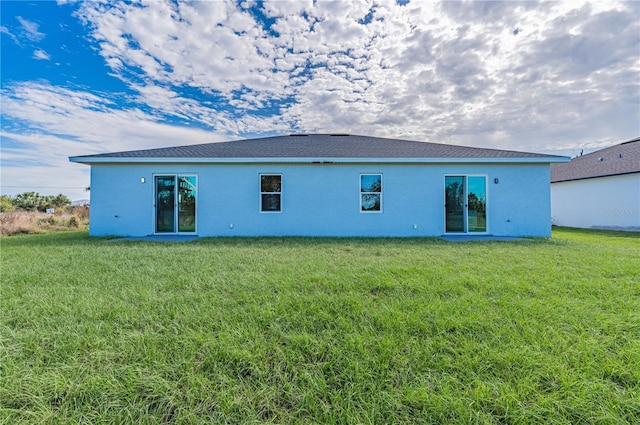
(320, 185)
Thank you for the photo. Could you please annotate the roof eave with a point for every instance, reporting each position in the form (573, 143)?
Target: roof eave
(303, 160)
(573, 179)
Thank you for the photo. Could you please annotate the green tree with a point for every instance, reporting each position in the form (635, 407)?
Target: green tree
(33, 201)
(59, 201)
(28, 201)
(6, 203)
(475, 203)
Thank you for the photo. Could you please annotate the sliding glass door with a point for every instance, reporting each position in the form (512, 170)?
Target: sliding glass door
(175, 207)
(465, 204)
(476, 204)
(454, 203)
(165, 204)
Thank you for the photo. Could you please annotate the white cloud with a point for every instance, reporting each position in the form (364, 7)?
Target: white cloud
(30, 29)
(41, 55)
(450, 72)
(62, 123)
(5, 30)
(37, 162)
(96, 122)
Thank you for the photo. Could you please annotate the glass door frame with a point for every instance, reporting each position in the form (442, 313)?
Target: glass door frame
(465, 209)
(176, 203)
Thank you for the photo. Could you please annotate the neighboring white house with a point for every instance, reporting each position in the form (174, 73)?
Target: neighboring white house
(320, 185)
(600, 190)
(80, 203)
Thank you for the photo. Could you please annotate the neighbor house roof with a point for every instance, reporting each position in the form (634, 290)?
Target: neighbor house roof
(317, 147)
(612, 161)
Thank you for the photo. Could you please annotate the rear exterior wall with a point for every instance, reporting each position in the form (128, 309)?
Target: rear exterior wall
(320, 199)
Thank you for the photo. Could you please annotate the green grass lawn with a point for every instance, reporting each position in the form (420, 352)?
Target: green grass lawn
(298, 330)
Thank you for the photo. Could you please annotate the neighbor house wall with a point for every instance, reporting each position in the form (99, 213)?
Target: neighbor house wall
(604, 202)
(320, 199)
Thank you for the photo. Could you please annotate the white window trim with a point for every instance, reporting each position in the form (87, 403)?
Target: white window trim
(360, 192)
(269, 193)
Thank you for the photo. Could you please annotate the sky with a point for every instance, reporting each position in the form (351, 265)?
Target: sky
(81, 78)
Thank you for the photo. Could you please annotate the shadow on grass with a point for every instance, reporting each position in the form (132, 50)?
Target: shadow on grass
(596, 232)
(81, 237)
(68, 238)
(76, 238)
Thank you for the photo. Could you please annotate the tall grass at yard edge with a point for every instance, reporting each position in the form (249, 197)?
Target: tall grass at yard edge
(18, 221)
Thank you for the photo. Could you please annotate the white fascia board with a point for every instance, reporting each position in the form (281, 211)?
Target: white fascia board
(131, 160)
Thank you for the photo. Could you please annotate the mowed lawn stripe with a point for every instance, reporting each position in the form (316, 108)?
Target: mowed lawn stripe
(302, 330)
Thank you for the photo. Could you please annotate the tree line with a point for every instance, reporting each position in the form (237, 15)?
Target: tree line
(33, 201)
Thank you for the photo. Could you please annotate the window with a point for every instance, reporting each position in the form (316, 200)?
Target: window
(270, 192)
(370, 192)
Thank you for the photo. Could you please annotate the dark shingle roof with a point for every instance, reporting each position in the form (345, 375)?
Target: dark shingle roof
(615, 160)
(318, 146)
